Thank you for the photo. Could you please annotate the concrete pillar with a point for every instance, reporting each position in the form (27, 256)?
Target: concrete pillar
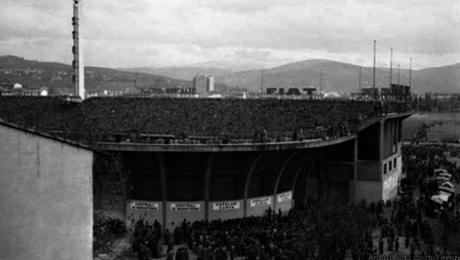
(323, 182)
(381, 145)
(164, 186)
(310, 169)
(299, 170)
(352, 186)
(280, 174)
(207, 184)
(296, 176)
(298, 173)
(251, 169)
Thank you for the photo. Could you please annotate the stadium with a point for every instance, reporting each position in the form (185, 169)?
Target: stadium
(170, 159)
(177, 161)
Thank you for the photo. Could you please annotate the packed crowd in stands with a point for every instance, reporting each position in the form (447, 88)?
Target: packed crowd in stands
(191, 120)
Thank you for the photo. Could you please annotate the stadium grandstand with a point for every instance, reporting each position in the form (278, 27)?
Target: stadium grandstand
(170, 159)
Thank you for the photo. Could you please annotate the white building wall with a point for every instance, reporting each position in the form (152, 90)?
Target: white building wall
(392, 177)
(211, 84)
(45, 197)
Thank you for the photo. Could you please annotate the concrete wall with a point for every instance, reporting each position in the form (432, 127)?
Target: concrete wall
(311, 189)
(45, 196)
(391, 137)
(369, 170)
(368, 190)
(143, 210)
(226, 209)
(336, 191)
(383, 189)
(337, 171)
(177, 211)
(390, 161)
(391, 179)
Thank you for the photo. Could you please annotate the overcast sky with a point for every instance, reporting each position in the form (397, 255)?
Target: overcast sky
(127, 33)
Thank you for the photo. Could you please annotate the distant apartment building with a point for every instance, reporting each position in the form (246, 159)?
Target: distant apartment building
(199, 84)
(203, 84)
(210, 83)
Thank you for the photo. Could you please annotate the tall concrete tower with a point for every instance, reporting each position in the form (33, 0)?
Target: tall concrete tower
(78, 77)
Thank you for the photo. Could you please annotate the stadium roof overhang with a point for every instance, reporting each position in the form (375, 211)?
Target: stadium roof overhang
(372, 120)
(247, 147)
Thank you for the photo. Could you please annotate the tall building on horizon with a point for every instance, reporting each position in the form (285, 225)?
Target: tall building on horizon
(203, 84)
(210, 83)
(199, 84)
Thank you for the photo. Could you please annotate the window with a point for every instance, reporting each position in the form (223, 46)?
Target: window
(384, 168)
(389, 166)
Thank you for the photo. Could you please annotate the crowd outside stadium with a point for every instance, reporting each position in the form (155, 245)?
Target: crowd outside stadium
(412, 225)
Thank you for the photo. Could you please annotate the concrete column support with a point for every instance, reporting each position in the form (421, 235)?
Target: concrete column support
(299, 170)
(247, 183)
(164, 186)
(355, 171)
(308, 173)
(296, 176)
(310, 169)
(207, 184)
(280, 174)
(381, 145)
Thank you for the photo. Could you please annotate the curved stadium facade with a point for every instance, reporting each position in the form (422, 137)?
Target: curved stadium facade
(169, 159)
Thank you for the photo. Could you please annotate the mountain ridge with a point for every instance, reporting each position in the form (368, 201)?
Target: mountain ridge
(337, 76)
(54, 75)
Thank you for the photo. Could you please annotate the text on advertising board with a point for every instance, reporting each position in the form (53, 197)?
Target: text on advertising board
(260, 202)
(285, 196)
(185, 206)
(144, 205)
(226, 205)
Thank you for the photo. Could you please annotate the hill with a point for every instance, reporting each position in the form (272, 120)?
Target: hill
(440, 79)
(337, 76)
(182, 73)
(343, 77)
(215, 68)
(231, 65)
(35, 74)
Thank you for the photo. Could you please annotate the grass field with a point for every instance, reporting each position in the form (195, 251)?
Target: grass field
(446, 125)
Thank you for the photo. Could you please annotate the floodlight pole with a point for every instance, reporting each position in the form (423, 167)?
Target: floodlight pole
(373, 72)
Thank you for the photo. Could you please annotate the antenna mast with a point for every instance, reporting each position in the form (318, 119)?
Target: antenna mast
(410, 71)
(262, 82)
(373, 72)
(320, 82)
(359, 77)
(391, 65)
